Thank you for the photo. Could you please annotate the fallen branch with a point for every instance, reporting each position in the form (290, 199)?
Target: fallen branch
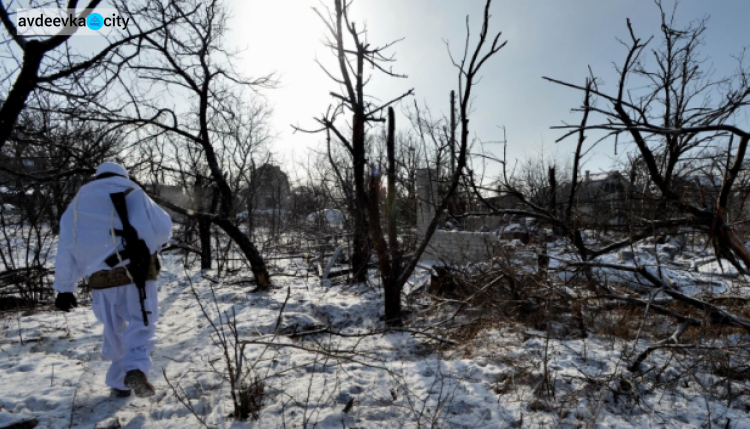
(426, 334)
(371, 333)
(657, 308)
(321, 351)
(689, 347)
(281, 311)
(717, 314)
(181, 246)
(672, 340)
(185, 400)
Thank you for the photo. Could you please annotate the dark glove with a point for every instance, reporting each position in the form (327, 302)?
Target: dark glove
(65, 301)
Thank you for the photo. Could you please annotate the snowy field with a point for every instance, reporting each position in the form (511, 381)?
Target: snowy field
(326, 363)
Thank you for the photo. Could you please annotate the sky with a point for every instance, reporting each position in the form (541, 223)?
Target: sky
(554, 38)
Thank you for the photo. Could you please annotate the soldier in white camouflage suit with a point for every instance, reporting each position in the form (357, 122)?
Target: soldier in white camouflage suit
(90, 247)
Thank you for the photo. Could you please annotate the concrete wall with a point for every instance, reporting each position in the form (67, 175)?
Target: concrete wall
(460, 247)
(452, 247)
(427, 198)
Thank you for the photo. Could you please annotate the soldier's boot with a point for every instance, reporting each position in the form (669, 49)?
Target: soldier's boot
(137, 381)
(117, 393)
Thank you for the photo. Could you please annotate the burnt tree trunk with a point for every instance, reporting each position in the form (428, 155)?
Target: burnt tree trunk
(391, 210)
(552, 191)
(226, 197)
(257, 264)
(361, 250)
(204, 224)
(204, 234)
(22, 88)
(389, 260)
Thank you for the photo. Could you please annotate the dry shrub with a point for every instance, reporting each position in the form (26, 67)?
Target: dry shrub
(507, 293)
(502, 292)
(251, 399)
(621, 321)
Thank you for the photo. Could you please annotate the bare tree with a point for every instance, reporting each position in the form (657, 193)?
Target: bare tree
(47, 146)
(44, 148)
(394, 272)
(674, 112)
(193, 64)
(685, 170)
(353, 99)
(50, 65)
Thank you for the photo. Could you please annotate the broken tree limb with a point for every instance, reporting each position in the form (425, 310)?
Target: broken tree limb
(257, 263)
(672, 340)
(281, 310)
(344, 355)
(372, 333)
(718, 315)
(324, 278)
(657, 308)
(692, 347)
(181, 246)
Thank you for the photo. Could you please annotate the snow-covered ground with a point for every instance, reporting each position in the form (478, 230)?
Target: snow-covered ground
(51, 369)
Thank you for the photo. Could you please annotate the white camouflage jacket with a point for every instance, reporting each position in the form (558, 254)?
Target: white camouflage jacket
(86, 229)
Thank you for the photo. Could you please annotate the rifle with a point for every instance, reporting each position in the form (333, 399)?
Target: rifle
(136, 249)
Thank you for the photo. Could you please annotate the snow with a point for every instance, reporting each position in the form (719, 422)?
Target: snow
(394, 380)
(263, 212)
(8, 419)
(514, 227)
(595, 177)
(332, 217)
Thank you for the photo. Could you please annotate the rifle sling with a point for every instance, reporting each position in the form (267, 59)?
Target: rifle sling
(140, 264)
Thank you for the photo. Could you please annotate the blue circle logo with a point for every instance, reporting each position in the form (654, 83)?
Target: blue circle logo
(94, 21)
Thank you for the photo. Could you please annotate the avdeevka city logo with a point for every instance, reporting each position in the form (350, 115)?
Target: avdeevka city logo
(52, 21)
(94, 21)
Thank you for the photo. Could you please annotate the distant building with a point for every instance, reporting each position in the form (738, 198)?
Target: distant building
(701, 190)
(270, 190)
(175, 194)
(15, 189)
(19, 164)
(599, 197)
(502, 201)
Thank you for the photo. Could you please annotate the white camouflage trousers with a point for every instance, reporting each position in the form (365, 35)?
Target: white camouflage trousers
(127, 341)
